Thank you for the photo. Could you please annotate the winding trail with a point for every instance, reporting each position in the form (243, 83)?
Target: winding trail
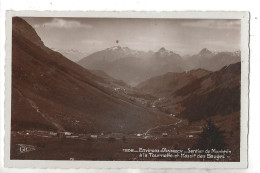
(162, 126)
(35, 107)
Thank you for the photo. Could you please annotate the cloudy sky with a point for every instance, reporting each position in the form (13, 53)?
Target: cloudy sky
(183, 36)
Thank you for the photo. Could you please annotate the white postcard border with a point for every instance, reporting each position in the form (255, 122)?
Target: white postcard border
(244, 16)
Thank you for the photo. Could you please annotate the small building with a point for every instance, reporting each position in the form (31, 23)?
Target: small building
(94, 136)
(164, 134)
(138, 134)
(67, 133)
(190, 136)
(117, 89)
(63, 134)
(148, 137)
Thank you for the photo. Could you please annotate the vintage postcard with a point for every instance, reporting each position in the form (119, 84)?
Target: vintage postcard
(126, 89)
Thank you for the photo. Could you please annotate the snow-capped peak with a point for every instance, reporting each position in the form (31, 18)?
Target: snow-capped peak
(165, 52)
(114, 48)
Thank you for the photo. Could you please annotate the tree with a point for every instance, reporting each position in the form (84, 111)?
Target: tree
(211, 137)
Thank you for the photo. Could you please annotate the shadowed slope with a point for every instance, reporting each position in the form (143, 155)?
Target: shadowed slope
(51, 92)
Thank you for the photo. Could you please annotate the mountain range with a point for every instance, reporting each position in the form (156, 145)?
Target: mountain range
(212, 61)
(50, 92)
(134, 66)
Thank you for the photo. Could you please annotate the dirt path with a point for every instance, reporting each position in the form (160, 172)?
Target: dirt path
(35, 107)
(162, 126)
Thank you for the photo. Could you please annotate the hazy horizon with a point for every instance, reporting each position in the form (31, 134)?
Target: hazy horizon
(182, 36)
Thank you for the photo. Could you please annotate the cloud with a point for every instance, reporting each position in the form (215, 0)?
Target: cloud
(213, 24)
(61, 23)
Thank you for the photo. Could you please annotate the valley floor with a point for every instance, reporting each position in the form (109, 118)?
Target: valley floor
(47, 145)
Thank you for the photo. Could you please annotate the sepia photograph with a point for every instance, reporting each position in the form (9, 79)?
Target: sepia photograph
(135, 89)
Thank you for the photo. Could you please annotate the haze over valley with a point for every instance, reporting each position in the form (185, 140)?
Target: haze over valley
(134, 66)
